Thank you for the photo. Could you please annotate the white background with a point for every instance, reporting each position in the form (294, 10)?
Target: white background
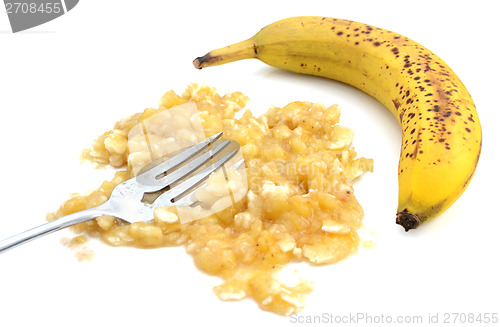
(67, 81)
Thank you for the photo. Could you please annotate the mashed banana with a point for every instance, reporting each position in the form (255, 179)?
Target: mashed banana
(299, 206)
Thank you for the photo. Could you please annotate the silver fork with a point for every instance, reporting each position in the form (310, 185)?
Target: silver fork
(128, 200)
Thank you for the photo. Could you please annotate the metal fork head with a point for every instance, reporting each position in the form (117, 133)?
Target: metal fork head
(165, 181)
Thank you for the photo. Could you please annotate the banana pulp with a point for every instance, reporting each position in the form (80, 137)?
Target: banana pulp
(441, 131)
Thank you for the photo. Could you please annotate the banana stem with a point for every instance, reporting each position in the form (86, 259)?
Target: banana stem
(238, 51)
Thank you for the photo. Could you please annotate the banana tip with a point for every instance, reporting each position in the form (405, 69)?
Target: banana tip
(407, 219)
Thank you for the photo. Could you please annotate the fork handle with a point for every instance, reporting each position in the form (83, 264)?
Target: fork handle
(52, 226)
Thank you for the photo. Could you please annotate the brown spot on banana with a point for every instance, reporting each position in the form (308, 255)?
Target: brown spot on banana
(441, 130)
(396, 103)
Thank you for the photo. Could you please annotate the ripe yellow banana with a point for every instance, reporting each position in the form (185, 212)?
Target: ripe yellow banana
(441, 130)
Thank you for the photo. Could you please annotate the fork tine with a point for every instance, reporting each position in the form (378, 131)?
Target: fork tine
(170, 197)
(174, 162)
(186, 198)
(188, 168)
